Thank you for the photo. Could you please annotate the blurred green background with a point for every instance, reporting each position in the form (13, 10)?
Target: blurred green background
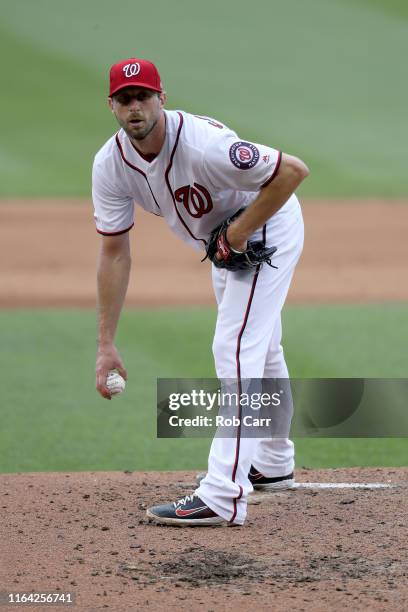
(322, 79)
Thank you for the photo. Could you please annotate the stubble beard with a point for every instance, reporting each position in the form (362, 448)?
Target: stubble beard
(141, 134)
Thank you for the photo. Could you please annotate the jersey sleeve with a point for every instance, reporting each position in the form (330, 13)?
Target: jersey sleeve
(231, 163)
(113, 207)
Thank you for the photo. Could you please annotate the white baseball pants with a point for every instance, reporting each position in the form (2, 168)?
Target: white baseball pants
(247, 344)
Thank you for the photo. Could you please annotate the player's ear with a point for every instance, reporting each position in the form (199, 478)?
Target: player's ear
(110, 103)
(163, 98)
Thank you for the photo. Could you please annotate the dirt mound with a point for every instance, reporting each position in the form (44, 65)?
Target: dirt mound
(307, 549)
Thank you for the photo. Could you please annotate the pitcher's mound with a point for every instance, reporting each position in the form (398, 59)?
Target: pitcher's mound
(310, 548)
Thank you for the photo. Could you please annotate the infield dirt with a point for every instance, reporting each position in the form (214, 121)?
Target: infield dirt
(355, 251)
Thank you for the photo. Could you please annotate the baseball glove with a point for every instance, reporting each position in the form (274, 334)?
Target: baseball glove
(255, 254)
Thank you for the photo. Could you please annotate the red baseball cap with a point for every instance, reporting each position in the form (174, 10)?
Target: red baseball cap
(134, 71)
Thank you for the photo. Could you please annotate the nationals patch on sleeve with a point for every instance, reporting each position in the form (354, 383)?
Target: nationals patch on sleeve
(244, 155)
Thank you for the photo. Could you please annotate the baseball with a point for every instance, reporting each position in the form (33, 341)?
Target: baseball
(115, 383)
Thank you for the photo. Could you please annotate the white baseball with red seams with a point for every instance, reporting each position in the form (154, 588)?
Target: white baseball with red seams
(115, 383)
(203, 174)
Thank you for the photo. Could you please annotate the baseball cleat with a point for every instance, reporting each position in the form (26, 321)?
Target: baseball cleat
(263, 483)
(189, 511)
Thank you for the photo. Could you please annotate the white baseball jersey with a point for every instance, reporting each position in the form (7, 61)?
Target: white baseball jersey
(202, 175)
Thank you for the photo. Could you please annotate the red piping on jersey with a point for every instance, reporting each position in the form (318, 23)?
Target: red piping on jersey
(135, 168)
(275, 170)
(124, 158)
(166, 176)
(237, 447)
(115, 233)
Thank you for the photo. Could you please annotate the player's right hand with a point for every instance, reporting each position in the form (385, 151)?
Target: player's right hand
(107, 358)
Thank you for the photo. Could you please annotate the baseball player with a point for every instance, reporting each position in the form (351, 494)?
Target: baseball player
(195, 172)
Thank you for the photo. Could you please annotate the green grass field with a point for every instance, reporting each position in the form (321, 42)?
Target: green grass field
(323, 79)
(52, 419)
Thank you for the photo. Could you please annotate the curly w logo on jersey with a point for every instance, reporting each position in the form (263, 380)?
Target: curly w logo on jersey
(196, 204)
(244, 155)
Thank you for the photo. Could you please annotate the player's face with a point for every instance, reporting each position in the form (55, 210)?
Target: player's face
(137, 110)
